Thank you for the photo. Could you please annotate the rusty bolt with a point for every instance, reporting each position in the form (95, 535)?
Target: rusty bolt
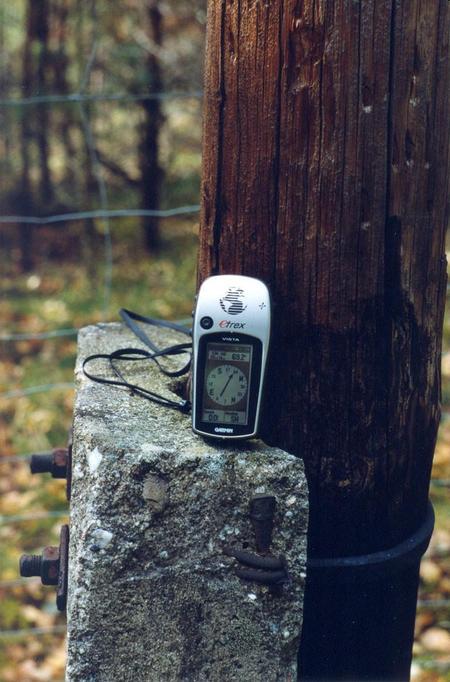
(58, 463)
(262, 512)
(30, 565)
(54, 463)
(51, 566)
(45, 566)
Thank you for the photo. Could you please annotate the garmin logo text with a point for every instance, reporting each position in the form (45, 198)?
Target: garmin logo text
(226, 324)
(223, 429)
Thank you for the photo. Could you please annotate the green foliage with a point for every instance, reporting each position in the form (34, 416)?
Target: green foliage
(11, 616)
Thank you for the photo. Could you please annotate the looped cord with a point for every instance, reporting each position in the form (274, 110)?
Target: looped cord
(136, 354)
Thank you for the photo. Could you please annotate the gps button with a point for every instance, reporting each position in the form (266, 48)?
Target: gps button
(206, 322)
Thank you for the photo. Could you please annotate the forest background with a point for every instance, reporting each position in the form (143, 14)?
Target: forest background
(100, 152)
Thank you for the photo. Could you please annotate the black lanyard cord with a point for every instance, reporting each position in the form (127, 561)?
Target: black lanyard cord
(136, 354)
(130, 319)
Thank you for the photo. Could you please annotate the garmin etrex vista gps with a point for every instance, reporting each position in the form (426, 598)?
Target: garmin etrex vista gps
(231, 334)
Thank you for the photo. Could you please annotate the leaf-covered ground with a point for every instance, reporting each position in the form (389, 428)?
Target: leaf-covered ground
(69, 292)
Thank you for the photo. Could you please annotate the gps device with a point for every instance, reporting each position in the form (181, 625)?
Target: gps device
(231, 334)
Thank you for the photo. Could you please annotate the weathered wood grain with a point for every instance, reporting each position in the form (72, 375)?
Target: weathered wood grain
(325, 173)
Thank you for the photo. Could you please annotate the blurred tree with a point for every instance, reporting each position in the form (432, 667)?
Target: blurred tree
(148, 148)
(35, 124)
(151, 171)
(38, 28)
(60, 37)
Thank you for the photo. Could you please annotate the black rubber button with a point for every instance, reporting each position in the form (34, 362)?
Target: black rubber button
(206, 322)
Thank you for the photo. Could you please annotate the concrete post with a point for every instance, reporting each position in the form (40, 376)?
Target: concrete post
(155, 514)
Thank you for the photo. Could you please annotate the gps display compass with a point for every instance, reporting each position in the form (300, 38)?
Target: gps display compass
(231, 334)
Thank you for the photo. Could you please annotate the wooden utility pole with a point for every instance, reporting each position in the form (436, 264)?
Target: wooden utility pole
(325, 173)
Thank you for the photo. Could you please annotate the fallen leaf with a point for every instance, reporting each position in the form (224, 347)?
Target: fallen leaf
(423, 620)
(430, 571)
(436, 639)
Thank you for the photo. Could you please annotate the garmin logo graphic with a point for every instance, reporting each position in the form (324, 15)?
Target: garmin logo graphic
(226, 324)
(223, 429)
(232, 302)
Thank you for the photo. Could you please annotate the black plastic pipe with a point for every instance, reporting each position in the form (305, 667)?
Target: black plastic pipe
(360, 612)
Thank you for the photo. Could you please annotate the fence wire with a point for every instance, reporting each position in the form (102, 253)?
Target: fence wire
(9, 519)
(99, 213)
(77, 97)
(35, 632)
(32, 390)
(53, 334)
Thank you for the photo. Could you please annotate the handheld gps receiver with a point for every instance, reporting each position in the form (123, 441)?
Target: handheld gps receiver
(231, 334)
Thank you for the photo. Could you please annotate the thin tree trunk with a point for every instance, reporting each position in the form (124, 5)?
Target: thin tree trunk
(85, 23)
(25, 193)
(40, 31)
(35, 125)
(60, 66)
(151, 171)
(325, 173)
(5, 117)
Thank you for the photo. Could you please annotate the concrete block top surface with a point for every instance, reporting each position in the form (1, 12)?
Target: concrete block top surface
(160, 584)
